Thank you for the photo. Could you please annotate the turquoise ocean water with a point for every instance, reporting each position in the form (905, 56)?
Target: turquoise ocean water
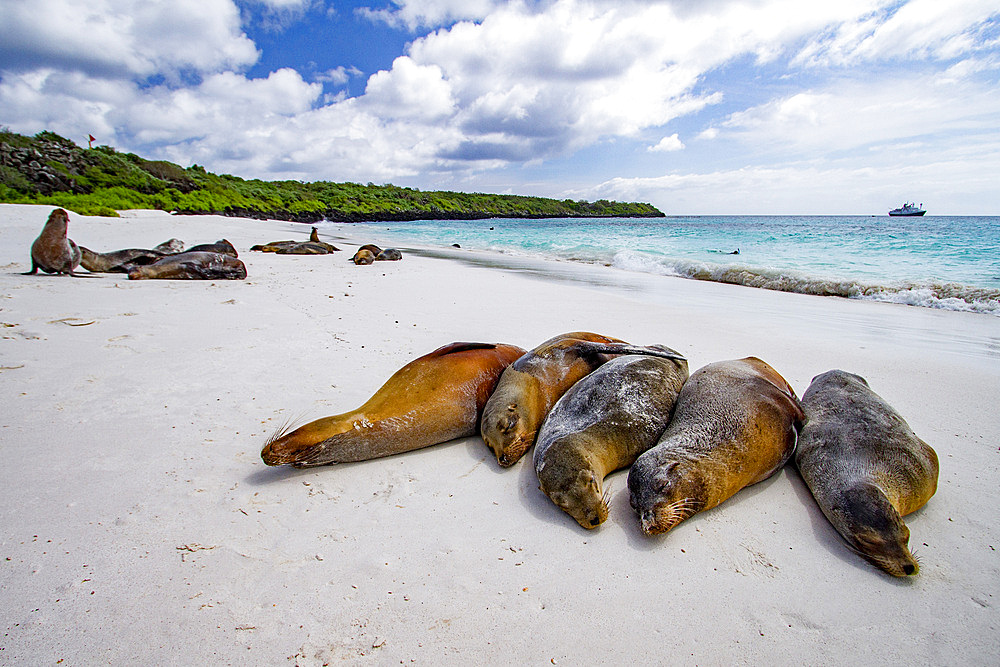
(933, 261)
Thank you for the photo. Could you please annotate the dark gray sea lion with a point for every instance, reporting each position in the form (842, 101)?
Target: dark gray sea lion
(734, 424)
(363, 256)
(222, 246)
(118, 261)
(533, 384)
(865, 467)
(192, 266)
(52, 251)
(602, 424)
(432, 399)
(170, 247)
(389, 255)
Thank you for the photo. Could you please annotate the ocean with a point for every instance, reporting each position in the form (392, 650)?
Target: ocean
(948, 262)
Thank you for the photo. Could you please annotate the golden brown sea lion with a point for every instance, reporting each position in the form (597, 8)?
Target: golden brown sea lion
(432, 399)
(222, 246)
(192, 266)
(52, 251)
(865, 467)
(734, 425)
(602, 424)
(118, 261)
(531, 386)
(363, 256)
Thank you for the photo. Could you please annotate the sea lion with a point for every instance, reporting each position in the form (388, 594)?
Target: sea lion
(192, 266)
(389, 255)
(314, 235)
(734, 424)
(363, 257)
(222, 246)
(118, 261)
(602, 424)
(432, 399)
(52, 251)
(273, 246)
(865, 467)
(170, 247)
(531, 385)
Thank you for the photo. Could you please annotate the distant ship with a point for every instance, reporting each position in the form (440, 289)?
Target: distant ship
(908, 209)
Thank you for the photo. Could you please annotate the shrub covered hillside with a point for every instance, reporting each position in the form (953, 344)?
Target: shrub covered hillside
(49, 169)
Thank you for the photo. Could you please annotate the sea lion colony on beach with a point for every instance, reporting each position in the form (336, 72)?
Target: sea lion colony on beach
(692, 443)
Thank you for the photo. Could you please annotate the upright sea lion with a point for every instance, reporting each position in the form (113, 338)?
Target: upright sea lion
(734, 425)
(602, 424)
(314, 235)
(865, 467)
(192, 266)
(52, 251)
(222, 246)
(531, 386)
(363, 256)
(432, 399)
(389, 255)
(118, 261)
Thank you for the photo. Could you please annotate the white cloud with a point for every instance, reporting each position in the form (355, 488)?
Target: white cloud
(667, 145)
(415, 13)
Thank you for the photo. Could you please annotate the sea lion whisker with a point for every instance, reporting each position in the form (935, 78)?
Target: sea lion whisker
(286, 427)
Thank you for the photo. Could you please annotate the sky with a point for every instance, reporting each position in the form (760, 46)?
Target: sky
(700, 107)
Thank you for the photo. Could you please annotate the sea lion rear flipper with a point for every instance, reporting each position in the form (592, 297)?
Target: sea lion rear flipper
(585, 347)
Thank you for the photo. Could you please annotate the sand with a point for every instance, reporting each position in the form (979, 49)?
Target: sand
(138, 524)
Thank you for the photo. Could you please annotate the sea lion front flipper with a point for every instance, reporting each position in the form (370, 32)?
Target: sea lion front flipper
(586, 347)
(34, 269)
(452, 348)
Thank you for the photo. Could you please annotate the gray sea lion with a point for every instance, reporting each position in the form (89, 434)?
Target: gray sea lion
(118, 261)
(734, 424)
(222, 246)
(52, 251)
(432, 399)
(532, 385)
(389, 255)
(865, 467)
(363, 257)
(602, 424)
(170, 247)
(192, 266)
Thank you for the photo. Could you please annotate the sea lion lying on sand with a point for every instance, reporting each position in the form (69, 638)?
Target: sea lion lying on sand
(221, 246)
(432, 399)
(117, 261)
(865, 467)
(191, 266)
(53, 251)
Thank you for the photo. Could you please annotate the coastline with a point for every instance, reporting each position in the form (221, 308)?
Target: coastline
(140, 524)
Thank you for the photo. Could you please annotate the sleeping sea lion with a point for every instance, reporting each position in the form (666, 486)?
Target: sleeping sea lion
(734, 425)
(116, 261)
(602, 424)
(222, 246)
(170, 247)
(191, 266)
(52, 251)
(432, 399)
(531, 386)
(865, 467)
(363, 256)
(389, 255)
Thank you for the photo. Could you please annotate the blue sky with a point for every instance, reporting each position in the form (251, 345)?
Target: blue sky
(700, 107)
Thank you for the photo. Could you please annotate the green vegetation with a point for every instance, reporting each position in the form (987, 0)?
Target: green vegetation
(49, 169)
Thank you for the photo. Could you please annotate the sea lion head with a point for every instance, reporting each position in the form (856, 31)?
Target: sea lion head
(664, 494)
(364, 256)
(574, 488)
(874, 529)
(306, 445)
(510, 418)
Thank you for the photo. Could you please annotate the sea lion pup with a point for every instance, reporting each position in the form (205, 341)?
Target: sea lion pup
(118, 261)
(433, 399)
(865, 467)
(531, 386)
(52, 251)
(389, 255)
(602, 424)
(191, 266)
(363, 257)
(222, 246)
(170, 247)
(734, 424)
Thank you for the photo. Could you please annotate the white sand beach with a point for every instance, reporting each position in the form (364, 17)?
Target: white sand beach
(138, 524)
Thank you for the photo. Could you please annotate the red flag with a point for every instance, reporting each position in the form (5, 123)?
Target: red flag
(92, 137)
